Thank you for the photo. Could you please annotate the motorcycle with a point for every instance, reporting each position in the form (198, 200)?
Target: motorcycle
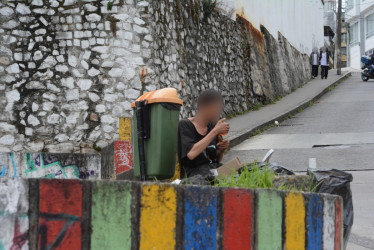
(365, 76)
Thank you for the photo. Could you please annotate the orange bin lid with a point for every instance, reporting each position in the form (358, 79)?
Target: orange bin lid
(169, 95)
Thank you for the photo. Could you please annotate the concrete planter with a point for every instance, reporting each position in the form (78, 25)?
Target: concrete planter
(75, 214)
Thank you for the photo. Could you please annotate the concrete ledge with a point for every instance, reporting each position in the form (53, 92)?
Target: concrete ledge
(50, 165)
(238, 138)
(79, 214)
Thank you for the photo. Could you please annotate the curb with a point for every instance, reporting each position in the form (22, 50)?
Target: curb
(237, 139)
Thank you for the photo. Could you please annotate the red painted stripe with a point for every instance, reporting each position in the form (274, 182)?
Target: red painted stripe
(237, 225)
(338, 224)
(60, 211)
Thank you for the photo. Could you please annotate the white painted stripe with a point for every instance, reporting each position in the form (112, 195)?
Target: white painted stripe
(328, 223)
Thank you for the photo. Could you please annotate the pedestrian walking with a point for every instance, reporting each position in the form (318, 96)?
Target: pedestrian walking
(324, 61)
(314, 61)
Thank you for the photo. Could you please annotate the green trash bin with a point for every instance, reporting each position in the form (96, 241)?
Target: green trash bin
(160, 124)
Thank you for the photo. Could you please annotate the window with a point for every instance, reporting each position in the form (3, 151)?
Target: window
(344, 38)
(330, 5)
(370, 25)
(349, 4)
(343, 51)
(353, 33)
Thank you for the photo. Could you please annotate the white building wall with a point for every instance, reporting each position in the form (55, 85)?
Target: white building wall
(301, 22)
(369, 43)
(361, 9)
(355, 56)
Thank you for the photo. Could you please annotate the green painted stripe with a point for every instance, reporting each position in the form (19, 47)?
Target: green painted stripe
(269, 220)
(111, 215)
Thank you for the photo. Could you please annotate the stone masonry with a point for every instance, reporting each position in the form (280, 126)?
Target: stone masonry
(70, 69)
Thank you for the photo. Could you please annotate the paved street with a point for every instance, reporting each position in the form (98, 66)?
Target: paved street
(338, 131)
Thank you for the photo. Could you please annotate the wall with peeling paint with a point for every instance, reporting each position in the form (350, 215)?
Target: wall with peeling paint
(74, 214)
(301, 22)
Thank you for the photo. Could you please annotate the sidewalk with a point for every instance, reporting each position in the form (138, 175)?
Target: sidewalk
(243, 126)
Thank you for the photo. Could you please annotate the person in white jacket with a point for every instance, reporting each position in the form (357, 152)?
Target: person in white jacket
(324, 61)
(314, 61)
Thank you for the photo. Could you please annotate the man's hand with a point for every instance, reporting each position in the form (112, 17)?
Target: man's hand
(221, 127)
(223, 145)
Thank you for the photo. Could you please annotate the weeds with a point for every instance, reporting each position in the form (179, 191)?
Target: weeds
(257, 132)
(332, 87)
(256, 107)
(256, 177)
(277, 99)
(311, 186)
(248, 178)
(209, 6)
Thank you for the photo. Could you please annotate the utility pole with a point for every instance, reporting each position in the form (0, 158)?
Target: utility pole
(338, 43)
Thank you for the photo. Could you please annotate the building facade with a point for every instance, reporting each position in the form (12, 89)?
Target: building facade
(360, 20)
(329, 22)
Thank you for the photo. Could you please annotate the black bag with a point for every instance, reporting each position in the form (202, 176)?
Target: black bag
(278, 169)
(337, 182)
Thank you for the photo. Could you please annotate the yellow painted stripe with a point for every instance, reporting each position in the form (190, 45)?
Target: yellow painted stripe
(177, 174)
(124, 129)
(295, 221)
(158, 217)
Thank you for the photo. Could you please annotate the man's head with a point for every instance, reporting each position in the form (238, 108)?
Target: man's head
(209, 104)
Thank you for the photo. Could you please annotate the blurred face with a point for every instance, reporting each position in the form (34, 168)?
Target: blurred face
(212, 111)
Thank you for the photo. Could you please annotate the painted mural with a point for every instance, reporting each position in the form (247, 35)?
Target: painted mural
(188, 217)
(51, 166)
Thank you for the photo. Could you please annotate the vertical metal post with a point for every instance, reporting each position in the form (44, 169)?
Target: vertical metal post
(338, 43)
(140, 127)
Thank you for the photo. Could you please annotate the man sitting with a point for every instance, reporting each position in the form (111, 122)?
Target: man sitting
(200, 144)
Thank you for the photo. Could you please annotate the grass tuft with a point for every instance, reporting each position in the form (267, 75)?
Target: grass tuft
(252, 177)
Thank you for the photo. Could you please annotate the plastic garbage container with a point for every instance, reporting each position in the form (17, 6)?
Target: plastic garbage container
(159, 112)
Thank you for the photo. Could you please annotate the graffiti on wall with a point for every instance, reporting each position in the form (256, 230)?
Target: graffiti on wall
(14, 218)
(20, 235)
(60, 212)
(3, 170)
(42, 166)
(187, 217)
(122, 156)
(45, 167)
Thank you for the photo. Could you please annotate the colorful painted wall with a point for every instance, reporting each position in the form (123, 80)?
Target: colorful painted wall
(50, 165)
(75, 214)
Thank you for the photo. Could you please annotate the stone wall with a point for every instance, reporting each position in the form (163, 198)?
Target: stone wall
(73, 214)
(70, 69)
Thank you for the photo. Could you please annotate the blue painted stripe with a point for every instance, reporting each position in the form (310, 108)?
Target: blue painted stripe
(200, 221)
(314, 222)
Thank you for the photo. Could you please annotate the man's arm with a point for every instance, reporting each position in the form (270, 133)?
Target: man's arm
(220, 128)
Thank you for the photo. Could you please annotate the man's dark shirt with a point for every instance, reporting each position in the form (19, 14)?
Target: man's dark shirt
(187, 138)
